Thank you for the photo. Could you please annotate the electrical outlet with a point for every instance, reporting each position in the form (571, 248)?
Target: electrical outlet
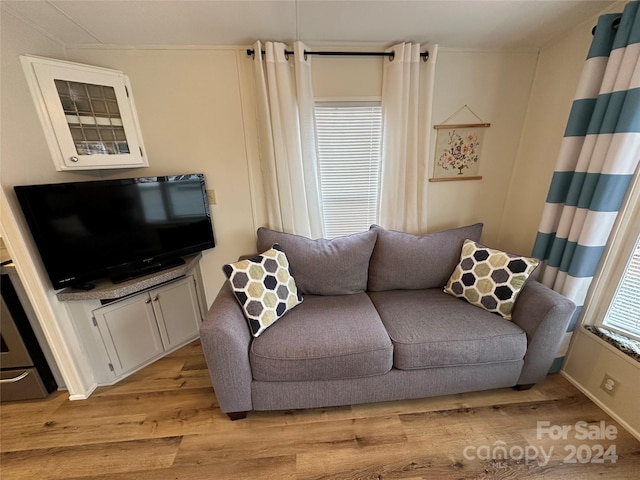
(211, 197)
(609, 385)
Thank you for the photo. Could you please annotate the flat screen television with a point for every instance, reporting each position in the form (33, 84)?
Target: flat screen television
(117, 229)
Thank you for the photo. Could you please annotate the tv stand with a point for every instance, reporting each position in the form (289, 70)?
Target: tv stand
(126, 326)
(83, 286)
(106, 289)
(146, 269)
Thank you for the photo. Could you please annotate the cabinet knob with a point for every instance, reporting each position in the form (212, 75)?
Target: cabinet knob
(74, 159)
(147, 301)
(155, 299)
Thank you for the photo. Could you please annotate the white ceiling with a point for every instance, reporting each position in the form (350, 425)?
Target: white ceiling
(486, 24)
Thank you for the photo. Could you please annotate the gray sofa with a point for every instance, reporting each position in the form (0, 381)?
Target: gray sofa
(375, 325)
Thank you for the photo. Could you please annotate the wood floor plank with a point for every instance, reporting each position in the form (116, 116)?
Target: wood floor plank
(276, 468)
(109, 419)
(105, 458)
(291, 439)
(21, 412)
(164, 422)
(158, 379)
(354, 462)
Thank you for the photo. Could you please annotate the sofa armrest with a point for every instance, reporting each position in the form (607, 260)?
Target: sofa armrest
(226, 340)
(544, 315)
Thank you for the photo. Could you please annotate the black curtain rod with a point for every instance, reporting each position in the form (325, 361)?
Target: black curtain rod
(425, 55)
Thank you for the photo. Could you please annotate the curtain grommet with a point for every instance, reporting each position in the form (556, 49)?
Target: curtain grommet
(616, 23)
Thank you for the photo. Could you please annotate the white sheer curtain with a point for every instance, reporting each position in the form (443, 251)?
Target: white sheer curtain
(407, 96)
(286, 136)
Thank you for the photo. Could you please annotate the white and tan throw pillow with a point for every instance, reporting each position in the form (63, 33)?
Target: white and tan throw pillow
(489, 278)
(264, 288)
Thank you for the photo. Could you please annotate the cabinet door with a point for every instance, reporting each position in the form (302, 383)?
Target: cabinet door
(130, 333)
(87, 113)
(177, 311)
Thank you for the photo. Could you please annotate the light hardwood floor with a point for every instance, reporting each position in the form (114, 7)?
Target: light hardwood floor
(164, 423)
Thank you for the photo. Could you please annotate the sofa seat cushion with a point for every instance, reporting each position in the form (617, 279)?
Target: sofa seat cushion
(324, 338)
(429, 328)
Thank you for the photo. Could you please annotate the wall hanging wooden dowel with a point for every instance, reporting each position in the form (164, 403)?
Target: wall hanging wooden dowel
(462, 125)
(452, 179)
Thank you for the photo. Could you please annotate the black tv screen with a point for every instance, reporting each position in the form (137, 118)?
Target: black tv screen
(116, 229)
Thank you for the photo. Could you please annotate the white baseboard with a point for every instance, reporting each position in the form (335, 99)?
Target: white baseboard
(84, 396)
(607, 410)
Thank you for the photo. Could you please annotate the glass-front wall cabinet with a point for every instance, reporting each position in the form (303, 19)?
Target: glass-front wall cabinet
(87, 113)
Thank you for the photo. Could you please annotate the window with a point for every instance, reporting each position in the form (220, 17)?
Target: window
(624, 312)
(349, 147)
(612, 307)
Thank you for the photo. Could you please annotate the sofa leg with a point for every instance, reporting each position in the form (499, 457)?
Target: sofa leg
(524, 387)
(237, 415)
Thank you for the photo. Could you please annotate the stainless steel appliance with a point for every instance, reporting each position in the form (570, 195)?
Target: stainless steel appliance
(24, 371)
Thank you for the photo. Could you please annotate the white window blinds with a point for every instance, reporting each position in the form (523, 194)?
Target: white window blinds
(349, 137)
(624, 311)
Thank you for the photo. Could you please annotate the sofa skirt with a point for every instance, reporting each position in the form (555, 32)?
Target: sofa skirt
(394, 385)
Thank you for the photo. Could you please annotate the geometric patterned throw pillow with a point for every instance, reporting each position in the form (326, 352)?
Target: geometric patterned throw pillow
(489, 278)
(264, 288)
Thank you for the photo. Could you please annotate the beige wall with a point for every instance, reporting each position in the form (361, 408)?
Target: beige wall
(25, 155)
(556, 79)
(195, 114)
(494, 85)
(588, 361)
(190, 112)
(25, 158)
(347, 77)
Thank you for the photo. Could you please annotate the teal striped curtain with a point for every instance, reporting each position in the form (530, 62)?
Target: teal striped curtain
(596, 163)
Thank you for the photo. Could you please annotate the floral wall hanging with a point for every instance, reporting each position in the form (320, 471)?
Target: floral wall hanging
(458, 150)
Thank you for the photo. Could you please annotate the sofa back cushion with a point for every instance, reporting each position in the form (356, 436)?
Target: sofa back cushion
(402, 261)
(325, 267)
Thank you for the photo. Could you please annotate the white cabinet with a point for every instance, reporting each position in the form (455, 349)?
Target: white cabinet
(130, 333)
(141, 328)
(126, 326)
(87, 113)
(176, 308)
